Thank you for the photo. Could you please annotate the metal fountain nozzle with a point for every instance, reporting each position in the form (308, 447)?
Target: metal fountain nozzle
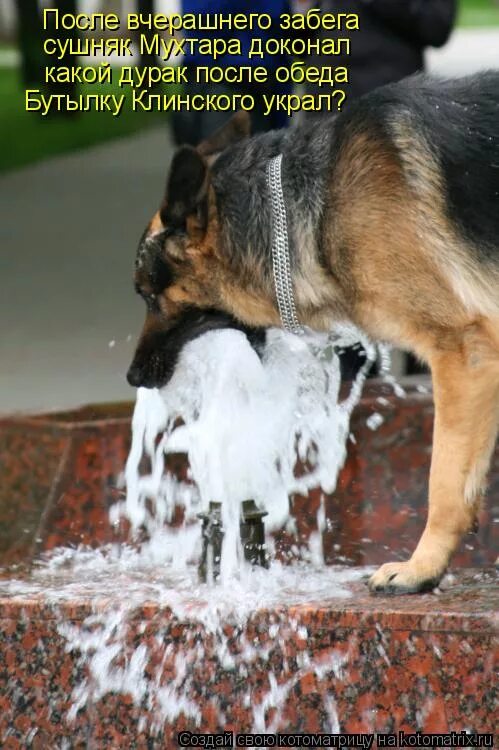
(212, 534)
(251, 531)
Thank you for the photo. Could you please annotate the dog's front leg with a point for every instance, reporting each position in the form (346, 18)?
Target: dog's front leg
(466, 393)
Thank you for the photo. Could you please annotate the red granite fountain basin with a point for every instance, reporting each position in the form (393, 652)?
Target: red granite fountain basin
(59, 476)
(60, 473)
(374, 664)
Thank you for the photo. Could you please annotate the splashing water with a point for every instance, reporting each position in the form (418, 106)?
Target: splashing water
(243, 422)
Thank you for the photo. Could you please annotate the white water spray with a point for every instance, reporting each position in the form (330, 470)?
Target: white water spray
(244, 423)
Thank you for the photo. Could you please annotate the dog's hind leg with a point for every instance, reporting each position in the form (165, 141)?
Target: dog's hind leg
(466, 393)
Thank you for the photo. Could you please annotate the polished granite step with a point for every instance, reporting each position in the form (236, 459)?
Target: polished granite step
(61, 472)
(351, 662)
(338, 660)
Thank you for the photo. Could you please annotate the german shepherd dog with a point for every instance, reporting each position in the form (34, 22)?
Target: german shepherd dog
(393, 218)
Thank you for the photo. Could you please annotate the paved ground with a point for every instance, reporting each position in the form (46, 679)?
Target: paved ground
(68, 231)
(466, 52)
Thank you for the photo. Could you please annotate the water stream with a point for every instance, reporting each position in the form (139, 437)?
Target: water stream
(243, 421)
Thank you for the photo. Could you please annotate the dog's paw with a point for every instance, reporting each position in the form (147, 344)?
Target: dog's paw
(402, 578)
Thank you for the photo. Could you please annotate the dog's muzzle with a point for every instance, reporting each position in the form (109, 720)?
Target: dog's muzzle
(158, 351)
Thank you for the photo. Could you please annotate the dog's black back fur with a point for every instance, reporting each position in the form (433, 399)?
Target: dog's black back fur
(459, 120)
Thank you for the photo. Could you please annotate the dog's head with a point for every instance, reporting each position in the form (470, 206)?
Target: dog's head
(182, 271)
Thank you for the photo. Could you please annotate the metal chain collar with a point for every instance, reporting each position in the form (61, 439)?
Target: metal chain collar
(280, 249)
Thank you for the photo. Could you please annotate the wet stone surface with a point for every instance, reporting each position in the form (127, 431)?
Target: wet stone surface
(61, 473)
(351, 662)
(107, 649)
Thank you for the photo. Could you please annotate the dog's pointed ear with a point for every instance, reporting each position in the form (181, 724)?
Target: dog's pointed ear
(186, 190)
(236, 129)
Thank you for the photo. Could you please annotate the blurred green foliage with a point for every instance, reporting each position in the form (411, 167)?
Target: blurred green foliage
(31, 137)
(475, 13)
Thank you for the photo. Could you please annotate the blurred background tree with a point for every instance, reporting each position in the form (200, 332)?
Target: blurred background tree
(147, 7)
(67, 59)
(30, 37)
